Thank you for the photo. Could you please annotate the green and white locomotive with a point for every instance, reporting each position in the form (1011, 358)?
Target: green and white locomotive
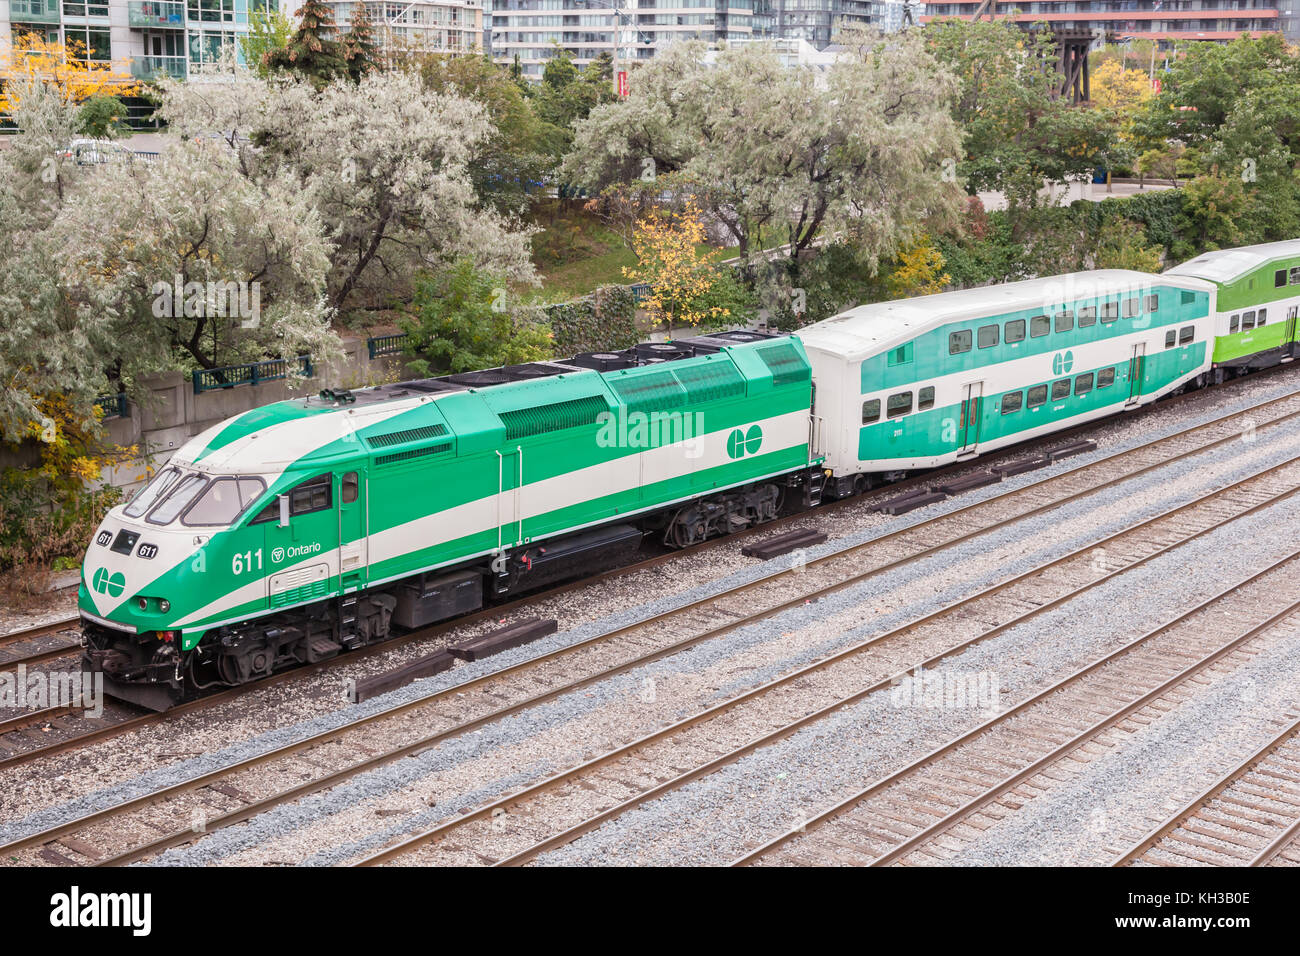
(296, 531)
(292, 532)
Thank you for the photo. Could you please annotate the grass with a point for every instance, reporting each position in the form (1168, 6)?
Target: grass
(576, 253)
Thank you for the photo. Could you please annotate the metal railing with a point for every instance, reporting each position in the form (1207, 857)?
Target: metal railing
(155, 13)
(229, 376)
(34, 11)
(113, 406)
(151, 67)
(386, 344)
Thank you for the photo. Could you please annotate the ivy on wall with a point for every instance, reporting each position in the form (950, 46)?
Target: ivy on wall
(605, 320)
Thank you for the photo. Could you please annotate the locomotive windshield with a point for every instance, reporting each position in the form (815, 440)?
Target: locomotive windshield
(198, 501)
(151, 493)
(224, 500)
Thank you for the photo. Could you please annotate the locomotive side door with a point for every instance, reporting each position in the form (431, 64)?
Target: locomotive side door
(350, 490)
(1288, 337)
(1136, 367)
(510, 478)
(971, 411)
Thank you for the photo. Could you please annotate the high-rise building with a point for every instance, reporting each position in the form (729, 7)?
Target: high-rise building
(531, 30)
(147, 38)
(437, 26)
(1168, 21)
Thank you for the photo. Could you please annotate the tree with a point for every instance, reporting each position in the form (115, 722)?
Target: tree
(917, 270)
(519, 154)
(1019, 133)
(102, 117)
(463, 319)
(186, 256)
(360, 51)
(311, 51)
(567, 95)
(386, 165)
(64, 68)
(268, 33)
(1122, 244)
(772, 153)
(668, 259)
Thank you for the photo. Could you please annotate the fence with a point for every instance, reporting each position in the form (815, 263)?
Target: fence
(229, 376)
(386, 344)
(113, 406)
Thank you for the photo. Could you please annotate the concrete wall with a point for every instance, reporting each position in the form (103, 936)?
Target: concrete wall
(172, 414)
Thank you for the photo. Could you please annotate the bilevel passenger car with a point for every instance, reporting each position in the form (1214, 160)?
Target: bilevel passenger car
(923, 382)
(292, 532)
(1258, 298)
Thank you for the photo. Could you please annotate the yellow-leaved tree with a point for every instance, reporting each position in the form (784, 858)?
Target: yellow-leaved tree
(668, 258)
(918, 271)
(66, 67)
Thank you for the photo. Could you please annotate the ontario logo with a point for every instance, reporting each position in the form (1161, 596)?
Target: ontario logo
(1062, 362)
(741, 443)
(111, 584)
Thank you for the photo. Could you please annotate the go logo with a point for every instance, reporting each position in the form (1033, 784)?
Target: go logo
(111, 584)
(741, 443)
(1062, 362)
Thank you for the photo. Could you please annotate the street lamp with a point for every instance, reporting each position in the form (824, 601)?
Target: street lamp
(618, 12)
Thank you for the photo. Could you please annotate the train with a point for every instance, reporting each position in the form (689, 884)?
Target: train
(307, 528)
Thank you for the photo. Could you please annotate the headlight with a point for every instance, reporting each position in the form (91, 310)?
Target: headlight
(142, 603)
(164, 605)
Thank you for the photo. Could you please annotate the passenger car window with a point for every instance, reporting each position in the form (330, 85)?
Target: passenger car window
(988, 336)
(1279, 278)
(899, 403)
(870, 411)
(1247, 321)
(1186, 334)
(1039, 325)
(925, 397)
(1083, 384)
(1130, 308)
(1109, 311)
(1016, 330)
(1171, 339)
(1011, 402)
(1060, 389)
(1234, 324)
(1036, 396)
(1153, 303)
(1087, 317)
(1106, 377)
(1064, 321)
(1259, 319)
(959, 342)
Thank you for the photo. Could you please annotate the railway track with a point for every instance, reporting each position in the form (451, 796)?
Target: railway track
(631, 775)
(68, 728)
(930, 810)
(463, 716)
(1248, 817)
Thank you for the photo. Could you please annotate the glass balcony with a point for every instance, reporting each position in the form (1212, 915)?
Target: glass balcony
(152, 67)
(34, 11)
(155, 13)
